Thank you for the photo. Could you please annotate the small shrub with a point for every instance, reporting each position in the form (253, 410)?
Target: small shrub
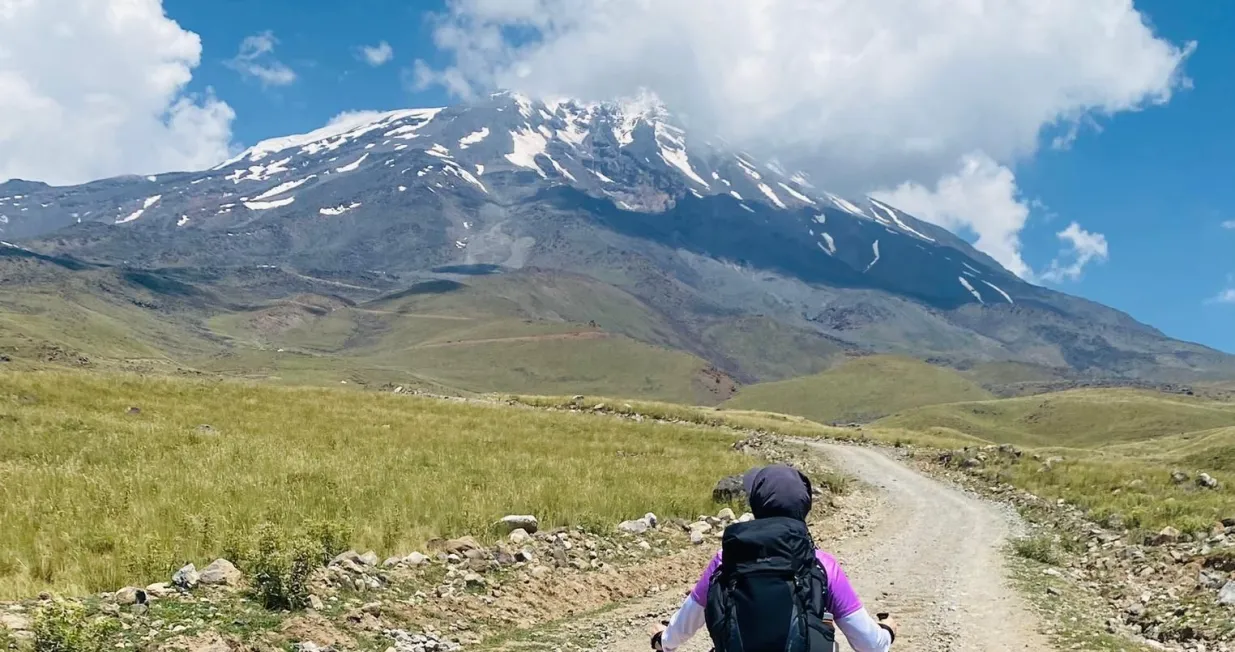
(835, 483)
(62, 626)
(331, 536)
(279, 567)
(1038, 548)
(7, 640)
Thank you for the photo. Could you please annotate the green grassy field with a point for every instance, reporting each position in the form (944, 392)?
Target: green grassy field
(860, 389)
(1117, 449)
(1072, 419)
(95, 497)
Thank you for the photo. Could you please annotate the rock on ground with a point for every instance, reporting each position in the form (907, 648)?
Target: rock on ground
(221, 572)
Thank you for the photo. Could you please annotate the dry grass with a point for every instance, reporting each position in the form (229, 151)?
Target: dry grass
(94, 497)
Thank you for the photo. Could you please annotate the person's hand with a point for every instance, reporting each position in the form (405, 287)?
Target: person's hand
(888, 622)
(657, 632)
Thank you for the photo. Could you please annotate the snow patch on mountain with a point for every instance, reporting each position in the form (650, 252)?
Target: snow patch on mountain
(338, 210)
(353, 166)
(969, 286)
(149, 201)
(875, 248)
(283, 187)
(796, 195)
(845, 205)
(267, 205)
(891, 212)
(527, 144)
(473, 138)
(1000, 291)
(828, 244)
(763, 187)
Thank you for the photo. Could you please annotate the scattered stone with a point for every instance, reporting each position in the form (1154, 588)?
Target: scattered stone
(315, 603)
(130, 595)
(474, 581)
(541, 572)
(133, 409)
(369, 558)
(519, 536)
(696, 537)
(527, 523)
(416, 559)
(160, 590)
(637, 526)
(729, 490)
(651, 519)
(344, 558)
(1179, 477)
(726, 515)
(186, 578)
(391, 562)
(1205, 481)
(207, 429)
(1227, 595)
(702, 527)
(1166, 535)
(746, 518)
(644, 545)
(462, 545)
(221, 571)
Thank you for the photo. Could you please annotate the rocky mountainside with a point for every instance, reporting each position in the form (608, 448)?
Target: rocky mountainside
(619, 192)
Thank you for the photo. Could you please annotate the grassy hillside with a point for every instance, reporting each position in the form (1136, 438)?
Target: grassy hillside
(532, 331)
(1115, 450)
(1077, 419)
(766, 350)
(860, 389)
(96, 497)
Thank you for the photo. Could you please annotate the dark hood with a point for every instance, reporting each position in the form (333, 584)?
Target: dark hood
(778, 490)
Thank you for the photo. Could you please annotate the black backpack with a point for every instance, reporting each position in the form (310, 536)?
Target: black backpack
(769, 593)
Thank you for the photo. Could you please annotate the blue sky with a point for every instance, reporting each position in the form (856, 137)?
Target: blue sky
(1157, 183)
(951, 111)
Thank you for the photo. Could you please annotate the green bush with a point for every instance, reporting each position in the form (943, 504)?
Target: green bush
(62, 626)
(331, 536)
(279, 567)
(1038, 548)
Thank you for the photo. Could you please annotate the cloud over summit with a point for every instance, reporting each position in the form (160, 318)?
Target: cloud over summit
(880, 94)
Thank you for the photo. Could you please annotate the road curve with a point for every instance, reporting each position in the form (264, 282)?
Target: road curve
(934, 559)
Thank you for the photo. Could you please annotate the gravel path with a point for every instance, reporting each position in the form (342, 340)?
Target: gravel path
(925, 551)
(934, 560)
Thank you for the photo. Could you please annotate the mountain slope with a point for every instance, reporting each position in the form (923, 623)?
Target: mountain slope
(702, 235)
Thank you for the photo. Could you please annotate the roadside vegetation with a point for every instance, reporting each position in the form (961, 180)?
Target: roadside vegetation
(111, 480)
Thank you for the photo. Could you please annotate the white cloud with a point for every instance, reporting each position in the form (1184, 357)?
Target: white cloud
(981, 197)
(864, 95)
(1082, 248)
(256, 59)
(377, 55)
(1229, 224)
(93, 88)
(1225, 296)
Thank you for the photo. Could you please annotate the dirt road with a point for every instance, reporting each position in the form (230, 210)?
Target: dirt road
(932, 557)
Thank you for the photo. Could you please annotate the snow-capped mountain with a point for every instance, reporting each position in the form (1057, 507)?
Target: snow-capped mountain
(618, 191)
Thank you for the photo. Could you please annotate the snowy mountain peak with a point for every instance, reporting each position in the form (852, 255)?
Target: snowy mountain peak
(507, 149)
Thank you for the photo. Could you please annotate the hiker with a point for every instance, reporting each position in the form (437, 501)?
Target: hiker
(747, 596)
